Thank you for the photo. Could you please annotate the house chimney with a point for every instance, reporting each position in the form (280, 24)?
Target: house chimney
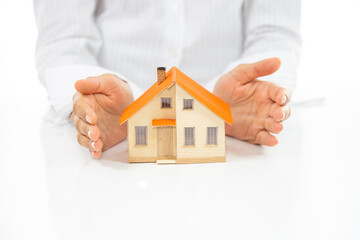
(161, 74)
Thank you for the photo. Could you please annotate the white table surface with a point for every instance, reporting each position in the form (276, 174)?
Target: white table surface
(305, 188)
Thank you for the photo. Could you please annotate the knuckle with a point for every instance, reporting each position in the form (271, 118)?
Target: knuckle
(76, 107)
(75, 119)
(106, 75)
(76, 96)
(109, 76)
(254, 130)
(273, 108)
(78, 137)
(78, 125)
(266, 123)
(277, 128)
(90, 78)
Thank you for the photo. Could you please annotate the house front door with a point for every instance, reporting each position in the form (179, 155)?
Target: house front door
(165, 142)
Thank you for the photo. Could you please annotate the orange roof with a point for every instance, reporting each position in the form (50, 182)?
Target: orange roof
(215, 104)
(163, 122)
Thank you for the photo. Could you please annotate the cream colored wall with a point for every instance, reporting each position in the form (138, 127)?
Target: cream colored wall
(144, 117)
(200, 118)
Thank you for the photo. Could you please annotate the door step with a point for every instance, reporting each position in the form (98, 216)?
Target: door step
(165, 161)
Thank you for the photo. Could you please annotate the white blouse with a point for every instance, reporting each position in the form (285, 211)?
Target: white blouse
(130, 38)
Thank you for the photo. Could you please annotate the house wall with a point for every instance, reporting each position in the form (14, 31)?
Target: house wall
(144, 117)
(200, 118)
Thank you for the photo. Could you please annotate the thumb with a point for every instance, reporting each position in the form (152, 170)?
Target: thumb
(103, 84)
(248, 72)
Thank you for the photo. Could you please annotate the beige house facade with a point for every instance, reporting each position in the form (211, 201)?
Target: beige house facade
(173, 125)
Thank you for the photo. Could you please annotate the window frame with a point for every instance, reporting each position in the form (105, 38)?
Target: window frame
(139, 140)
(163, 102)
(187, 100)
(212, 135)
(186, 139)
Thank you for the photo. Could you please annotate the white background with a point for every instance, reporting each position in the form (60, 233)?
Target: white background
(328, 75)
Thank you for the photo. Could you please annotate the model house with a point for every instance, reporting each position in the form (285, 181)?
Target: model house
(176, 121)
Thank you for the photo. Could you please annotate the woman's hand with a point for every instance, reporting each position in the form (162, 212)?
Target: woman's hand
(258, 107)
(98, 105)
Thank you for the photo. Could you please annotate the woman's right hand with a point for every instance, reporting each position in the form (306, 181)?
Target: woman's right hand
(97, 107)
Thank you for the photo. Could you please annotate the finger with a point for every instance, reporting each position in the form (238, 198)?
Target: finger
(248, 72)
(84, 141)
(102, 84)
(277, 112)
(97, 146)
(74, 118)
(91, 131)
(278, 94)
(273, 126)
(84, 112)
(93, 146)
(96, 154)
(265, 138)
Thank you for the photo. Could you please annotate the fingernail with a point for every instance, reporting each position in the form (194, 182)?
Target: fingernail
(93, 145)
(283, 111)
(283, 100)
(88, 119)
(89, 133)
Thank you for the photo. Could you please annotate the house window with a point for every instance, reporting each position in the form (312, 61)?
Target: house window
(212, 135)
(141, 135)
(189, 136)
(188, 103)
(165, 102)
